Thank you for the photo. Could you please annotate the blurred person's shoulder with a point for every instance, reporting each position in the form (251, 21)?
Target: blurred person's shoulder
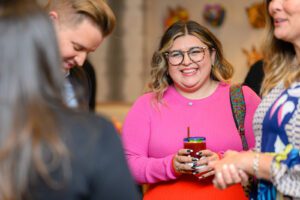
(84, 124)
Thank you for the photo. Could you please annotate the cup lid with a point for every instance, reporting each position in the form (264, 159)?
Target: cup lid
(194, 139)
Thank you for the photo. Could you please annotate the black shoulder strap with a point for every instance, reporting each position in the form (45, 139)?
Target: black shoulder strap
(238, 108)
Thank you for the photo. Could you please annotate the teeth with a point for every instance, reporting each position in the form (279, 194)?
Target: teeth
(187, 71)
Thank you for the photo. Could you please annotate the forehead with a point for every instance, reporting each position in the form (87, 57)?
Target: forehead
(85, 33)
(185, 42)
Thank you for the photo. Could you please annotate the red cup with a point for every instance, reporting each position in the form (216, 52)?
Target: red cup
(194, 143)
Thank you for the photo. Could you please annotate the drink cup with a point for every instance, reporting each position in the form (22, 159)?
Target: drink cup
(194, 143)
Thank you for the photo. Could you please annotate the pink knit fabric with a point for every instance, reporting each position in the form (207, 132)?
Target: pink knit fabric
(152, 134)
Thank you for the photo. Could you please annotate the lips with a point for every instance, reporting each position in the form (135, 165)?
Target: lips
(279, 21)
(68, 65)
(189, 71)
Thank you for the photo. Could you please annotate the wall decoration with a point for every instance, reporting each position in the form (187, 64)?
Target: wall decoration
(174, 15)
(256, 15)
(252, 55)
(214, 14)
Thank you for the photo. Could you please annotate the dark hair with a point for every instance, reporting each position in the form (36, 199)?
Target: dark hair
(222, 70)
(30, 78)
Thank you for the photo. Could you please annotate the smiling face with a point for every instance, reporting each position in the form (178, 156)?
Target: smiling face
(190, 76)
(286, 15)
(76, 41)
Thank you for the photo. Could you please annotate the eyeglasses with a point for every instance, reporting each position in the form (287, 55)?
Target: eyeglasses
(196, 54)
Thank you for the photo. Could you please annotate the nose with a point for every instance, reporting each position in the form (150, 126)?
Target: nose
(80, 58)
(186, 59)
(274, 6)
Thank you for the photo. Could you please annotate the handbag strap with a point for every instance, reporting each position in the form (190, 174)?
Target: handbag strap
(238, 108)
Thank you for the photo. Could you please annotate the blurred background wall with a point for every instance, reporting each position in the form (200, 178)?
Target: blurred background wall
(123, 62)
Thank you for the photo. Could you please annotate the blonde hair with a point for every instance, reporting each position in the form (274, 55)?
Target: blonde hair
(222, 70)
(74, 11)
(279, 61)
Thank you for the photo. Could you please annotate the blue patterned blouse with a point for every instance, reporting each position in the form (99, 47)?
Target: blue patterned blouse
(279, 113)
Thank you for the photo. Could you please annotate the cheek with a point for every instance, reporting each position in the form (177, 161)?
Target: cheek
(67, 50)
(292, 9)
(206, 65)
(206, 68)
(65, 46)
(175, 76)
(173, 71)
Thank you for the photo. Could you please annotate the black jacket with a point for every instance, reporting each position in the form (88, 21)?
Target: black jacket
(255, 77)
(97, 163)
(83, 80)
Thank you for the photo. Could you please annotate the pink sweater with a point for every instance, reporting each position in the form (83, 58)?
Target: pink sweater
(152, 135)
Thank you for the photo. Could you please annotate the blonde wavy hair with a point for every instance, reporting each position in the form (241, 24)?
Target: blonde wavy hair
(279, 60)
(222, 70)
(75, 11)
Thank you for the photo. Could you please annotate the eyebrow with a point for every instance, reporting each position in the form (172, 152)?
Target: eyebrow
(83, 47)
(79, 45)
(188, 49)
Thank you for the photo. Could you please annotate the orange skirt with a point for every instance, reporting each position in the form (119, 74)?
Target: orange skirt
(189, 188)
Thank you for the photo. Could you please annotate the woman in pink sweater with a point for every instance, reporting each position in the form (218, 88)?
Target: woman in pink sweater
(188, 89)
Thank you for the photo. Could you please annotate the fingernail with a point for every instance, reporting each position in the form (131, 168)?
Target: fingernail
(225, 166)
(189, 150)
(195, 159)
(219, 174)
(199, 153)
(214, 181)
(195, 172)
(201, 177)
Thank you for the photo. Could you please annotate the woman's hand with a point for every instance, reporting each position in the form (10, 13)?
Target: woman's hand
(183, 163)
(230, 175)
(202, 170)
(227, 170)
